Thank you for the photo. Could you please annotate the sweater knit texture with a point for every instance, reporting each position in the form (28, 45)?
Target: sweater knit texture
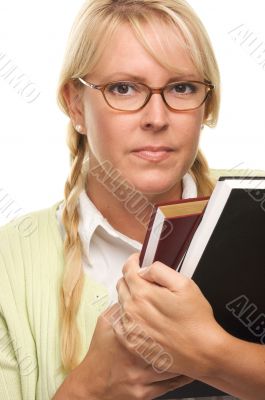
(31, 269)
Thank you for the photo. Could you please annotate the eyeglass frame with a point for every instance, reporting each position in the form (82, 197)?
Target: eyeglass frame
(101, 88)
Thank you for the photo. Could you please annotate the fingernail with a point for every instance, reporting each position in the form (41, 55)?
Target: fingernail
(143, 270)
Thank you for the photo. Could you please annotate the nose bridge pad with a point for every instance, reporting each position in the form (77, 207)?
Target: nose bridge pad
(158, 91)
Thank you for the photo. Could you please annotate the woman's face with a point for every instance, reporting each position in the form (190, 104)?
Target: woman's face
(154, 147)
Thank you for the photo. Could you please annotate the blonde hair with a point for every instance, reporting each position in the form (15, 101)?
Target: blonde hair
(92, 30)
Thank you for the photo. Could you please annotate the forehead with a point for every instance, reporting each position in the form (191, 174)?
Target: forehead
(125, 53)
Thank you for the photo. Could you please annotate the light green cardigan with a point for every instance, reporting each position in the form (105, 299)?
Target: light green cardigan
(31, 268)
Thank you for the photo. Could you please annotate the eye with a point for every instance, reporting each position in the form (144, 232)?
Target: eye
(122, 88)
(183, 88)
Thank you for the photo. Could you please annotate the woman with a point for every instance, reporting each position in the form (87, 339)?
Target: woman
(138, 83)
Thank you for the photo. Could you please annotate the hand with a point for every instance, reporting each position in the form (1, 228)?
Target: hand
(110, 372)
(169, 308)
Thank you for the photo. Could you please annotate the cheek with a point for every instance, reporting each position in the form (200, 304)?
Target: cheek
(191, 129)
(107, 128)
(188, 139)
(99, 127)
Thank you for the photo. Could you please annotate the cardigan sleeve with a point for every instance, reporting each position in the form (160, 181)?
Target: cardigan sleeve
(10, 385)
(17, 380)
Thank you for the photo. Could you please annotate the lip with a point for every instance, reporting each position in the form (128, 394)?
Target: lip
(153, 153)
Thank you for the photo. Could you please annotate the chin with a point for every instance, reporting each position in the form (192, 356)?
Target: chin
(151, 188)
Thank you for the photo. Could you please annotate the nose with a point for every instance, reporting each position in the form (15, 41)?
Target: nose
(155, 114)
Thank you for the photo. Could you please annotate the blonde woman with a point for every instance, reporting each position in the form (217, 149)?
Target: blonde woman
(139, 81)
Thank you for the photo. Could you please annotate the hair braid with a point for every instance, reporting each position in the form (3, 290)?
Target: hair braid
(73, 275)
(201, 174)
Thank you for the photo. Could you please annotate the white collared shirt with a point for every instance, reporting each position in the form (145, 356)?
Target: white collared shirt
(105, 248)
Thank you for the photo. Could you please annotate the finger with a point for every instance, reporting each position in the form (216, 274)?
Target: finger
(162, 275)
(112, 314)
(111, 310)
(130, 269)
(132, 264)
(159, 388)
(123, 291)
(127, 331)
(130, 273)
(150, 376)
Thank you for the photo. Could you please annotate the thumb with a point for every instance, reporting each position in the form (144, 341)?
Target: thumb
(162, 275)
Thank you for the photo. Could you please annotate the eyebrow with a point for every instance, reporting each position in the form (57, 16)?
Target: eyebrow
(120, 76)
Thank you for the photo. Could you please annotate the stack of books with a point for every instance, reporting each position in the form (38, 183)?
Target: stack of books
(219, 242)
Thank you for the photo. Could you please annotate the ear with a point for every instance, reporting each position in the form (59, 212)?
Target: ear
(72, 95)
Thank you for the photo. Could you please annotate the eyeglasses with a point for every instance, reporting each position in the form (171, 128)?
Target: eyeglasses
(133, 96)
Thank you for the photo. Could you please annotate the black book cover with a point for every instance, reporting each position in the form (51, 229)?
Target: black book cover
(231, 274)
(231, 271)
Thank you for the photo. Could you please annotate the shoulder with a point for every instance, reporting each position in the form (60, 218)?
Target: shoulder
(31, 261)
(29, 224)
(26, 239)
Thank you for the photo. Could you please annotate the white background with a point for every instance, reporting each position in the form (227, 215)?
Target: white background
(33, 154)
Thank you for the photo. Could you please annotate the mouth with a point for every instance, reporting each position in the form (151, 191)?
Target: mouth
(153, 153)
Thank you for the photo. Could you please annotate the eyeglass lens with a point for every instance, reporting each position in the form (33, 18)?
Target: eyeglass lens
(132, 96)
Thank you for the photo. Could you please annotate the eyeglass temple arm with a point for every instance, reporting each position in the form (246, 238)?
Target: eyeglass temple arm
(91, 85)
(210, 84)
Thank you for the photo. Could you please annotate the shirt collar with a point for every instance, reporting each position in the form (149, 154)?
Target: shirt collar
(189, 187)
(90, 218)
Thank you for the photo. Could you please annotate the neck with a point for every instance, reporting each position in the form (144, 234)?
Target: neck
(125, 208)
